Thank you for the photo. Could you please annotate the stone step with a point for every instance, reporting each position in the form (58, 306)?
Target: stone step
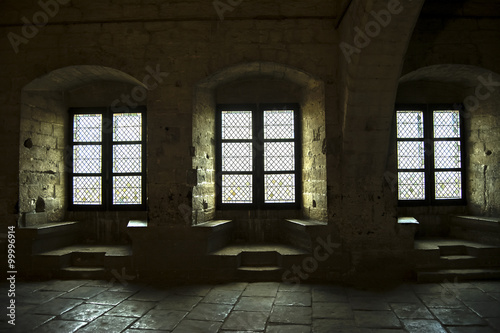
(459, 261)
(259, 273)
(259, 258)
(449, 250)
(82, 273)
(458, 274)
(88, 259)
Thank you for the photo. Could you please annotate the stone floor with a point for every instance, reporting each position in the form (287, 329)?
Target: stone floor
(111, 306)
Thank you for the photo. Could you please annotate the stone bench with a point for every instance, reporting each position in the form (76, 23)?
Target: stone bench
(476, 228)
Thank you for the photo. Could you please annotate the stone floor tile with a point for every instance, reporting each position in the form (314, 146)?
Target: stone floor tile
(457, 316)
(474, 295)
(134, 330)
(387, 330)
(291, 315)
(296, 287)
(219, 296)
(411, 311)
(38, 297)
(332, 310)
(150, 294)
(291, 298)
(454, 285)
(470, 329)
(110, 297)
(265, 289)
(63, 285)
(107, 324)
(263, 304)
(485, 309)
(201, 326)
(494, 323)
(494, 295)
(368, 303)
(84, 292)
(274, 328)
(443, 300)
(60, 326)
(208, 311)
(427, 288)
(129, 287)
(401, 295)
(330, 294)
(240, 286)
(30, 321)
(191, 290)
(22, 308)
(179, 302)
(488, 286)
(336, 325)
(423, 325)
(246, 321)
(29, 287)
(57, 306)
(376, 319)
(100, 283)
(85, 312)
(160, 320)
(131, 309)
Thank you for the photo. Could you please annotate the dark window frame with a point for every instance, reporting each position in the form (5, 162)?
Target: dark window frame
(107, 160)
(429, 168)
(258, 155)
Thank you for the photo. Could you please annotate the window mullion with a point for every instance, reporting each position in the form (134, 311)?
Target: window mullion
(107, 158)
(258, 152)
(429, 155)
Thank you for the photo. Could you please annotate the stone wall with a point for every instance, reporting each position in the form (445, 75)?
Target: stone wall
(190, 49)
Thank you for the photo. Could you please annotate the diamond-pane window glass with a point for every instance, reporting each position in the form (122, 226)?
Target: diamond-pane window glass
(87, 190)
(87, 127)
(237, 188)
(237, 156)
(448, 185)
(446, 124)
(447, 154)
(279, 124)
(411, 185)
(127, 190)
(410, 154)
(127, 158)
(87, 158)
(279, 156)
(279, 188)
(127, 127)
(236, 125)
(410, 124)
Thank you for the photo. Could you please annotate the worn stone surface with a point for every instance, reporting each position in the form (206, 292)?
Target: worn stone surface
(214, 315)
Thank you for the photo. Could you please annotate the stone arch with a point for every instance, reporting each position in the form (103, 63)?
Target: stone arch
(312, 101)
(43, 135)
(478, 89)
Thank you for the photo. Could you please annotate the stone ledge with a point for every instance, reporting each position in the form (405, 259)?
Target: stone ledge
(212, 224)
(476, 222)
(137, 224)
(407, 220)
(307, 223)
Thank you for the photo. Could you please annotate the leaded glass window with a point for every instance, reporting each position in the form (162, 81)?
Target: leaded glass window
(429, 153)
(257, 155)
(108, 160)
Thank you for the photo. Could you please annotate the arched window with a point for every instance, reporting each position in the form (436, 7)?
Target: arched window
(258, 155)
